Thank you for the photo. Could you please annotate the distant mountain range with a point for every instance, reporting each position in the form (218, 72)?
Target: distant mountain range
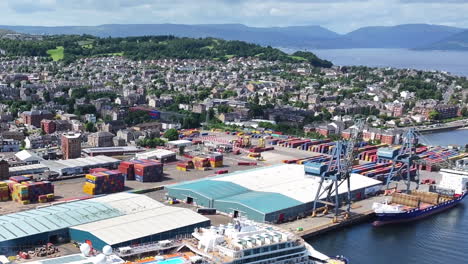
(411, 36)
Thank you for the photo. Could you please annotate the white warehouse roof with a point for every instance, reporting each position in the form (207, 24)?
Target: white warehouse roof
(180, 142)
(56, 165)
(289, 180)
(142, 224)
(157, 153)
(129, 203)
(27, 168)
(28, 155)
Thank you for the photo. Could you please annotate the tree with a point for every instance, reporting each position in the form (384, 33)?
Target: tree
(464, 112)
(47, 96)
(171, 134)
(137, 117)
(151, 142)
(90, 127)
(267, 125)
(434, 115)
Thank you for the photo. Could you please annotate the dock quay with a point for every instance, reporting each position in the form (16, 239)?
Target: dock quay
(313, 226)
(361, 212)
(443, 127)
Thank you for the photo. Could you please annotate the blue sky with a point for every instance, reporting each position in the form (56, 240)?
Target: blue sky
(338, 15)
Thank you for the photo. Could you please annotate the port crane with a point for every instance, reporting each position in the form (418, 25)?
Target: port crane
(338, 172)
(405, 160)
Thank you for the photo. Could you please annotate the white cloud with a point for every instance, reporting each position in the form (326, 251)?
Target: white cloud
(339, 15)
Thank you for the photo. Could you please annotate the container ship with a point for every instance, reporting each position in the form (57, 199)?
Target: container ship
(241, 242)
(451, 190)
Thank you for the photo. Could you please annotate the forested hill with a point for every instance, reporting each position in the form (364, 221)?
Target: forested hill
(151, 47)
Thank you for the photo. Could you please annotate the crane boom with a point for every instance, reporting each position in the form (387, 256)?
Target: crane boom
(339, 170)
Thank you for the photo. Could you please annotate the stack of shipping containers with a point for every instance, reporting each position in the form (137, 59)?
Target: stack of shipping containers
(184, 166)
(25, 191)
(142, 170)
(128, 170)
(216, 160)
(201, 162)
(4, 192)
(104, 182)
(148, 170)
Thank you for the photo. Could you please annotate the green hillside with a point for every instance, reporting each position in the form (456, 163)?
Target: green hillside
(71, 47)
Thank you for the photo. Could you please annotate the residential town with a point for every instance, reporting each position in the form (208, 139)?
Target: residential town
(42, 99)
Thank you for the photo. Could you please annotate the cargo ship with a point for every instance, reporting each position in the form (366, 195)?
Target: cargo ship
(243, 242)
(451, 190)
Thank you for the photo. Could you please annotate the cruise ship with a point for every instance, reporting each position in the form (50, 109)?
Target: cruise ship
(244, 242)
(451, 190)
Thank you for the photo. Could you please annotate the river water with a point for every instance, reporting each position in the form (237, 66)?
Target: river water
(455, 62)
(455, 137)
(439, 239)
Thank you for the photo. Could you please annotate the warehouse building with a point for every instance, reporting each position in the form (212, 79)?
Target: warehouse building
(161, 223)
(112, 151)
(179, 143)
(50, 224)
(27, 169)
(163, 155)
(135, 218)
(80, 165)
(28, 156)
(268, 194)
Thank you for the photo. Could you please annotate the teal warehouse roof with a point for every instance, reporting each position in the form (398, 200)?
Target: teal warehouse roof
(27, 223)
(263, 202)
(211, 189)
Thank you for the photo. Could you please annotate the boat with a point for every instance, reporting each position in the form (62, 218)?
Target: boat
(451, 190)
(245, 242)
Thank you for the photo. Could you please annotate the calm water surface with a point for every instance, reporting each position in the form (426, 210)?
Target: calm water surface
(439, 239)
(456, 137)
(455, 62)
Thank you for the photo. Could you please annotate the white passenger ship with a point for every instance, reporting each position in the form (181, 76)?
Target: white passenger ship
(250, 242)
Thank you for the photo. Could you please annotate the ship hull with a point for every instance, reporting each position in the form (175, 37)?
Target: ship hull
(415, 214)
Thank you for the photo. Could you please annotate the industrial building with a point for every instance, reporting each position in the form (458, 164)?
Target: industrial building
(27, 169)
(160, 223)
(268, 194)
(112, 151)
(71, 145)
(135, 218)
(4, 171)
(28, 156)
(179, 143)
(80, 165)
(163, 155)
(49, 224)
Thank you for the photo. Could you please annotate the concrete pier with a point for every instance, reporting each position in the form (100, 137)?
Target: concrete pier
(312, 226)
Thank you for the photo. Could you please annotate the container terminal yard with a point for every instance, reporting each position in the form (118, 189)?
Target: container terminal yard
(160, 194)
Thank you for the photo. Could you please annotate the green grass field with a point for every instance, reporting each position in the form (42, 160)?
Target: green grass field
(56, 54)
(87, 44)
(298, 58)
